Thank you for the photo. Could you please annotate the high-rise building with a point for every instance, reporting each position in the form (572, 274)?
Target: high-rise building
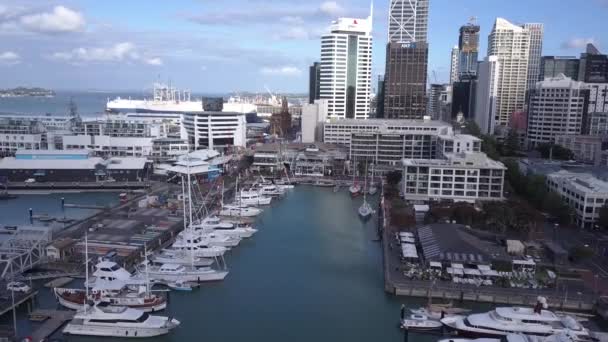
(486, 97)
(552, 66)
(468, 45)
(408, 21)
(406, 60)
(313, 82)
(454, 64)
(346, 68)
(510, 43)
(463, 98)
(536, 51)
(594, 66)
(380, 98)
(434, 104)
(557, 106)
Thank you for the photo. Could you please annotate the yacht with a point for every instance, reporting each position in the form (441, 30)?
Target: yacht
(112, 321)
(207, 239)
(181, 258)
(196, 247)
(173, 273)
(270, 190)
(252, 197)
(114, 295)
(505, 320)
(238, 231)
(108, 272)
(239, 211)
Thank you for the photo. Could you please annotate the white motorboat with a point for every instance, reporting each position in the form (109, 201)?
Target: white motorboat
(213, 222)
(207, 239)
(504, 320)
(420, 322)
(196, 246)
(561, 337)
(107, 272)
(114, 295)
(438, 313)
(270, 190)
(238, 231)
(239, 211)
(181, 258)
(113, 321)
(252, 197)
(175, 273)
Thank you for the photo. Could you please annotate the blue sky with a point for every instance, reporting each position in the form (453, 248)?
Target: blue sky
(239, 45)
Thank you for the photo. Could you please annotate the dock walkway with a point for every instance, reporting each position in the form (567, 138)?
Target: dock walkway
(56, 319)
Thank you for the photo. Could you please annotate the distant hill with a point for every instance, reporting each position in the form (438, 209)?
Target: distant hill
(23, 91)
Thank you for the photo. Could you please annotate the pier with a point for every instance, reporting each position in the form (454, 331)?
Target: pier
(55, 319)
(15, 187)
(6, 304)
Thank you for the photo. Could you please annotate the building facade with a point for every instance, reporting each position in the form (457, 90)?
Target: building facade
(510, 43)
(597, 124)
(215, 129)
(586, 148)
(454, 65)
(465, 176)
(583, 192)
(346, 68)
(593, 67)
(314, 77)
(486, 97)
(536, 50)
(553, 66)
(468, 45)
(464, 94)
(408, 21)
(313, 117)
(557, 106)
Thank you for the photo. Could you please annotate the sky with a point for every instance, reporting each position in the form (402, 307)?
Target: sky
(240, 45)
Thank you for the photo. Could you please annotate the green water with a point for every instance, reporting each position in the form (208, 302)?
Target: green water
(311, 273)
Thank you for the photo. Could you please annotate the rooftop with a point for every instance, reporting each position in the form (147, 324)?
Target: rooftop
(460, 160)
(584, 182)
(392, 123)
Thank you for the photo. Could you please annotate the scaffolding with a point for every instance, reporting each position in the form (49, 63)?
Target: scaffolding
(23, 250)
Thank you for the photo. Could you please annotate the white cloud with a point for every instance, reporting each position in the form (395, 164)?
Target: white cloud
(578, 43)
(154, 61)
(9, 58)
(121, 52)
(60, 20)
(281, 71)
(331, 8)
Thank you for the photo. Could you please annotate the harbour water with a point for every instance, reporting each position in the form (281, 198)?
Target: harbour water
(311, 273)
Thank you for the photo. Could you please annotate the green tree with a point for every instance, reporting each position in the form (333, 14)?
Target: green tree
(554, 151)
(511, 144)
(471, 127)
(394, 177)
(490, 147)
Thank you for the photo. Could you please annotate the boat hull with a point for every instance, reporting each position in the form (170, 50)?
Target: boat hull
(198, 278)
(74, 299)
(113, 331)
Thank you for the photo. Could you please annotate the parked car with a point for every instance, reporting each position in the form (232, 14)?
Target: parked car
(30, 180)
(18, 286)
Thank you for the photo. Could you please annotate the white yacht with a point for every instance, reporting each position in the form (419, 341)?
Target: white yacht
(207, 239)
(505, 320)
(270, 190)
(173, 273)
(196, 248)
(108, 272)
(181, 258)
(114, 294)
(212, 224)
(252, 197)
(112, 321)
(239, 211)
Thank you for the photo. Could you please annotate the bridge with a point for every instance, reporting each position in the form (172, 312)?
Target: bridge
(23, 250)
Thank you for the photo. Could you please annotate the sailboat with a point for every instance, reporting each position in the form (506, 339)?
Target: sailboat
(103, 319)
(354, 189)
(365, 210)
(372, 185)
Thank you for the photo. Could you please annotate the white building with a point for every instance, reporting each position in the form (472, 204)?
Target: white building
(107, 145)
(557, 107)
(313, 117)
(582, 192)
(463, 177)
(215, 129)
(597, 124)
(454, 65)
(346, 68)
(486, 94)
(510, 43)
(536, 51)
(408, 21)
(597, 117)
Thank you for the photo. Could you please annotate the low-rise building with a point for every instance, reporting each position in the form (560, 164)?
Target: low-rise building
(583, 192)
(586, 148)
(301, 159)
(60, 249)
(464, 176)
(165, 149)
(215, 129)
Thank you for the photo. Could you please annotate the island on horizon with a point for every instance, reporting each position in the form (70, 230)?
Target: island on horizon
(24, 91)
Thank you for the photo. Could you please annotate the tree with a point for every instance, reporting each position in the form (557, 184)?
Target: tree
(471, 127)
(549, 150)
(393, 178)
(490, 147)
(511, 144)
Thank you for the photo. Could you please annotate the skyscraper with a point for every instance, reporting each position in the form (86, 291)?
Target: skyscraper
(406, 60)
(487, 94)
(468, 45)
(552, 66)
(510, 44)
(346, 68)
(536, 51)
(454, 65)
(594, 66)
(313, 82)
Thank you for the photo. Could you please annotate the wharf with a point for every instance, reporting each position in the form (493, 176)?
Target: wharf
(56, 319)
(14, 187)
(6, 303)
(396, 283)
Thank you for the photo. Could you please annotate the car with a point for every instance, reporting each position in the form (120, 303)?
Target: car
(30, 180)
(18, 286)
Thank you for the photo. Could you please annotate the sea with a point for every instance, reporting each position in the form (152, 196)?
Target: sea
(312, 272)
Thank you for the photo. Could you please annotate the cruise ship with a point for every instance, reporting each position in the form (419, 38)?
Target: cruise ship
(165, 100)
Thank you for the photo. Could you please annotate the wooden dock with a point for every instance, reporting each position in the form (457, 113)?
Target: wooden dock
(56, 319)
(19, 299)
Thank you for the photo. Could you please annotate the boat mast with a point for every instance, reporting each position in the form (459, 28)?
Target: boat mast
(365, 184)
(222, 202)
(86, 270)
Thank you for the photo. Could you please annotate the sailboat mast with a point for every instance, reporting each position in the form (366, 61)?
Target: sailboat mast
(222, 203)
(365, 183)
(86, 270)
(184, 201)
(189, 193)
